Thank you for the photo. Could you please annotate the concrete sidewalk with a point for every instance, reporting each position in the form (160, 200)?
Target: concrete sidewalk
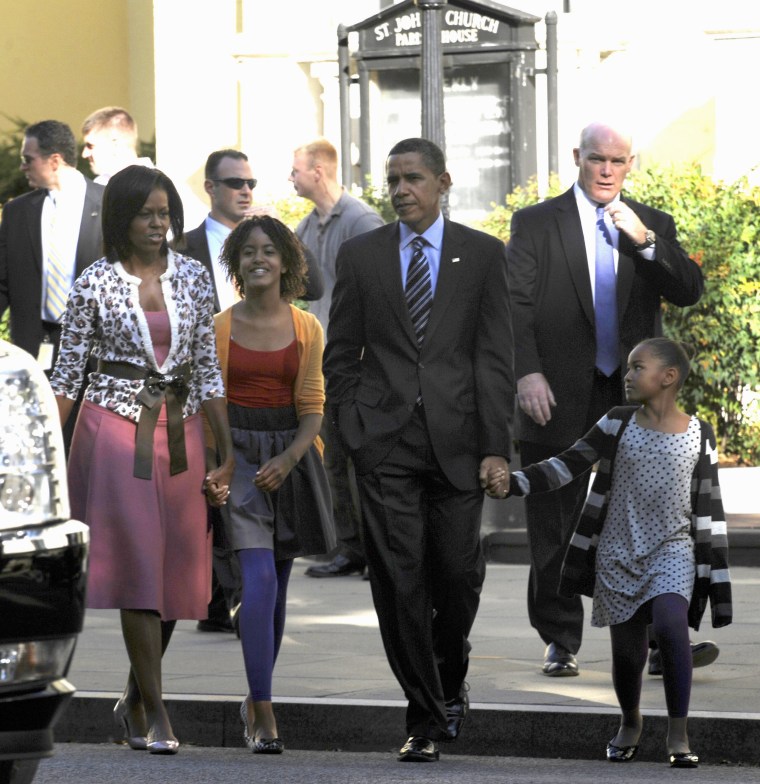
(334, 689)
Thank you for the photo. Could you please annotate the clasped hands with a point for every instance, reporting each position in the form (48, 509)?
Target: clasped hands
(494, 476)
(216, 485)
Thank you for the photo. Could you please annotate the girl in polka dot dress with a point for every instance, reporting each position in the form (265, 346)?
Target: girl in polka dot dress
(650, 546)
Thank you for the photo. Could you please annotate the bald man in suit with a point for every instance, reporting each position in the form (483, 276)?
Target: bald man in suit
(571, 352)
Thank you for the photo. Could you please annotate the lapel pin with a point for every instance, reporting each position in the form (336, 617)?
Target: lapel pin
(455, 260)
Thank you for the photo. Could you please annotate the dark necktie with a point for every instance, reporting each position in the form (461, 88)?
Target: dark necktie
(605, 300)
(418, 290)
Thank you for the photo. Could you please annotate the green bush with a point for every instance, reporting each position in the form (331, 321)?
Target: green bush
(718, 225)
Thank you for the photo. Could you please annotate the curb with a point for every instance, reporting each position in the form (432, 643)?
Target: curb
(491, 730)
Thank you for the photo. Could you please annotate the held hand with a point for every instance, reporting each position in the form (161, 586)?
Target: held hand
(216, 485)
(535, 397)
(274, 472)
(494, 476)
(626, 220)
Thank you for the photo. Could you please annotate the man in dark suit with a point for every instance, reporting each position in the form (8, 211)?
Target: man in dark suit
(572, 344)
(60, 218)
(423, 398)
(229, 183)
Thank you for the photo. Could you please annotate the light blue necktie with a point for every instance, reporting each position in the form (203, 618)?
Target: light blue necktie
(57, 272)
(605, 300)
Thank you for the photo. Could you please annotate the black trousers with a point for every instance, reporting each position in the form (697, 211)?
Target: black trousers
(426, 567)
(551, 519)
(343, 488)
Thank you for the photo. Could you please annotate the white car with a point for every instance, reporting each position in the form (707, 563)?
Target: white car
(43, 568)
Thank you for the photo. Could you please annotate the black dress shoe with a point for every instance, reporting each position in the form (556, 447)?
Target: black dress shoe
(559, 662)
(621, 753)
(215, 625)
(457, 711)
(340, 566)
(683, 760)
(702, 654)
(418, 749)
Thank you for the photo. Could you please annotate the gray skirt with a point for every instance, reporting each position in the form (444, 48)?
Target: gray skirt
(296, 519)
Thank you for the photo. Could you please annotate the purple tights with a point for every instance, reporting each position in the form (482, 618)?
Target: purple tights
(262, 616)
(630, 644)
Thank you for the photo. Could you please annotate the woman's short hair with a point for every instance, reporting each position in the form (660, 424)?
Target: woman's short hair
(125, 194)
(672, 353)
(294, 273)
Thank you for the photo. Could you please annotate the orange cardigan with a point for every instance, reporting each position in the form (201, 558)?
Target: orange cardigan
(309, 386)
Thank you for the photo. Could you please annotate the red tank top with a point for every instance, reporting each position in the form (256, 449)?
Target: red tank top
(262, 379)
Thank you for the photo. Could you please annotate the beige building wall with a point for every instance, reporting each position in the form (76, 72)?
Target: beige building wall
(62, 59)
(262, 76)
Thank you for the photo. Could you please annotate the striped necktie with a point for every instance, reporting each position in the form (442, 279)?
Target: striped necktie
(605, 300)
(57, 272)
(419, 290)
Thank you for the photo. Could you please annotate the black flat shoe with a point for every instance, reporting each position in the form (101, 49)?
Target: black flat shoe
(621, 753)
(268, 746)
(418, 749)
(684, 759)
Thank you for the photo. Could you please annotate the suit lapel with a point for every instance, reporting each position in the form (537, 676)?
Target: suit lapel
(626, 268)
(36, 200)
(571, 237)
(453, 265)
(387, 267)
(88, 229)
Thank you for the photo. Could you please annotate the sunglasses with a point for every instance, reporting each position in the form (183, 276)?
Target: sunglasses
(237, 183)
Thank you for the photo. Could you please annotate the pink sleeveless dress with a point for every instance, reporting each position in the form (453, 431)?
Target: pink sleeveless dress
(150, 544)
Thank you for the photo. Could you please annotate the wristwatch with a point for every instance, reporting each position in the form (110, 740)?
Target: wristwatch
(650, 240)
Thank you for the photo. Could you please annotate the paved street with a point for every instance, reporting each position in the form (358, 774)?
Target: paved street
(96, 764)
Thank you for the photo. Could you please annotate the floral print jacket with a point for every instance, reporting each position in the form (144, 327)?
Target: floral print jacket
(104, 319)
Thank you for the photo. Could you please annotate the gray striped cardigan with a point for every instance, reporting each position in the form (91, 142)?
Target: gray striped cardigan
(708, 525)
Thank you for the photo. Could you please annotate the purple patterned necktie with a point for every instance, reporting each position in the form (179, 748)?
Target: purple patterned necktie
(419, 290)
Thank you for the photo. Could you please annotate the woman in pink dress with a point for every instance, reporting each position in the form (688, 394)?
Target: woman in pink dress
(137, 467)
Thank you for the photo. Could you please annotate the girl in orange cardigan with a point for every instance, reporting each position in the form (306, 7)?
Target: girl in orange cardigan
(279, 506)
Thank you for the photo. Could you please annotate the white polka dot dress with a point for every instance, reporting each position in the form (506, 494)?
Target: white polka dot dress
(645, 548)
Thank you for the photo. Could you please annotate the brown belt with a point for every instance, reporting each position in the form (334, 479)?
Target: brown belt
(172, 387)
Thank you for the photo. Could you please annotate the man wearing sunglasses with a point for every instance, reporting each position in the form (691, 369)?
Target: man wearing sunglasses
(229, 184)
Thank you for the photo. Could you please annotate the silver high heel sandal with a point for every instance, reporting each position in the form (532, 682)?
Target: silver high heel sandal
(163, 746)
(136, 742)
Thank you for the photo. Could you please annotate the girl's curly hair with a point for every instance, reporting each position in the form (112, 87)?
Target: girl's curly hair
(294, 269)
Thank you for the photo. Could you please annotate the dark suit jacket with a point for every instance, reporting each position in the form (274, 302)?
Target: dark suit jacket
(21, 259)
(553, 310)
(374, 370)
(195, 245)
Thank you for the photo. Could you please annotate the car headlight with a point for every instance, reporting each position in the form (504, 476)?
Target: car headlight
(33, 486)
(32, 662)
